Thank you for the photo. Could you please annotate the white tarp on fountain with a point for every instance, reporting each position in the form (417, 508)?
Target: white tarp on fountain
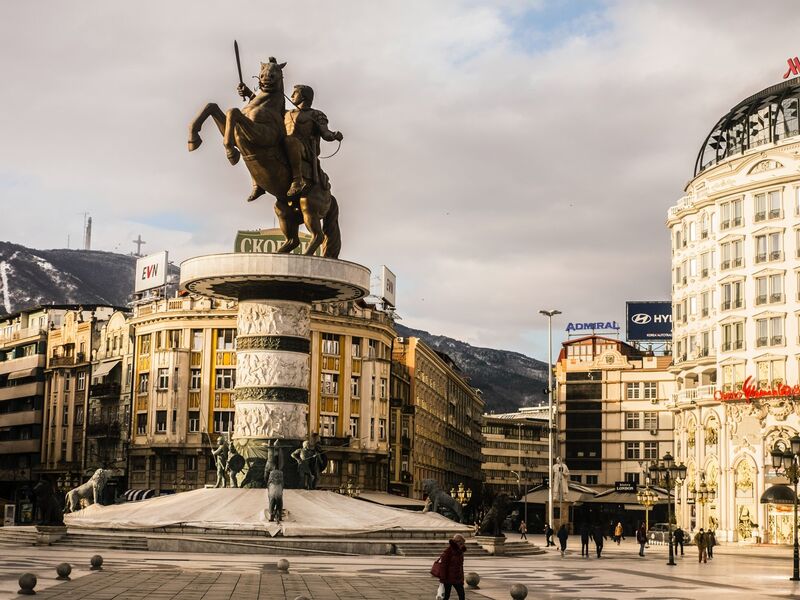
(307, 514)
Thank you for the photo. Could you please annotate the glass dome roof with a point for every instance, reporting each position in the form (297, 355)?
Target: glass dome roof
(766, 117)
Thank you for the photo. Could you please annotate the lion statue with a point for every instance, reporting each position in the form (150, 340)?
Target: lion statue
(440, 501)
(48, 504)
(91, 491)
(492, 523)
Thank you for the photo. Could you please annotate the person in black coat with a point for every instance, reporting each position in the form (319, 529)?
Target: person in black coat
(563, 535)
(678, 539)
(548, 534)
(598, 537)
(585, 540)
(711, 541)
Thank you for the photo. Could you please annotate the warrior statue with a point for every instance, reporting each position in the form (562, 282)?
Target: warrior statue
(281, 152)
(307, 458)
(221, 459)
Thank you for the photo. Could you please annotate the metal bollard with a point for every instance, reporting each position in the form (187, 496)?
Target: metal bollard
(27, 581)
(63, 570)
(473, 579)
(97, 563)
(519, 591)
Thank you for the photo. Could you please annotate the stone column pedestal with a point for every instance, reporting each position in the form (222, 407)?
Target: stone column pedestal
(273, 344)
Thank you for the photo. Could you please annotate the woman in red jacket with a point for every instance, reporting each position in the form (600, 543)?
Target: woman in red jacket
(453, 567)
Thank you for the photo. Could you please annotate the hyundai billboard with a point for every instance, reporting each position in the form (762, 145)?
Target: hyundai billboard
(649, 321)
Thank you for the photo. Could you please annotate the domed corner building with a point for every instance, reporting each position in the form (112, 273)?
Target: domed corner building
(736, 305)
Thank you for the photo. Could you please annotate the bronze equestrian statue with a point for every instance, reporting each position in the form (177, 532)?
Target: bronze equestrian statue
(281, 152)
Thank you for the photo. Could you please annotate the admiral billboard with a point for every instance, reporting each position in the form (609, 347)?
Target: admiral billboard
(648, 321)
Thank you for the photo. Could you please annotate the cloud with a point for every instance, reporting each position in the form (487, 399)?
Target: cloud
(499, 157)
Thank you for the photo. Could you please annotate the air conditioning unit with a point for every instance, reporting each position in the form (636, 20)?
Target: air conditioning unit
(654, 432)
(401, 340)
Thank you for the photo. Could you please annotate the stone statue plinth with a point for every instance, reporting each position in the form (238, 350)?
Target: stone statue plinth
(494, 545)
(273, 345)
(46, 535)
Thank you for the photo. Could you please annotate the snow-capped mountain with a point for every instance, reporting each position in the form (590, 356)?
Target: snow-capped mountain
(30, 277)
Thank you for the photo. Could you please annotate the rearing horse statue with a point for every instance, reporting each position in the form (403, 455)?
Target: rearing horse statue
(257, 134)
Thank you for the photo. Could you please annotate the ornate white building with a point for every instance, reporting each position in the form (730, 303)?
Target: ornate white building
(736, 305)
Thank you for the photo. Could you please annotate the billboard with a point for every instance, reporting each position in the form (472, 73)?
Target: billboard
(267, 241)
(648, 321)
(151, 272)
(388, 286)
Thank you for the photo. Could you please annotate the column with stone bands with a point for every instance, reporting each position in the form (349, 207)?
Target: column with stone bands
(272, 370)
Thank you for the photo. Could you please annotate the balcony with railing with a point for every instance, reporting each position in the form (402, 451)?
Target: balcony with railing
(21, 334)
(104, 430)
(104, 390)
(67, 361)
(733, 345)
(696, 394)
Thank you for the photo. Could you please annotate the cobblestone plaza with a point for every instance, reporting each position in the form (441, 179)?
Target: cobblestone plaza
(757, 573)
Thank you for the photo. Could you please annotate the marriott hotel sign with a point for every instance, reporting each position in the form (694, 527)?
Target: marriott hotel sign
(749, 392)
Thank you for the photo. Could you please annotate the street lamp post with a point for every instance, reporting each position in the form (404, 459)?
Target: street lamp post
(668, 474)
(646, 498)
(461, 495)
(789, 462)
(550, 425)
(702, 496)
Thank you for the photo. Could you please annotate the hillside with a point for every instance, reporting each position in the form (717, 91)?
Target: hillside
(507, 379)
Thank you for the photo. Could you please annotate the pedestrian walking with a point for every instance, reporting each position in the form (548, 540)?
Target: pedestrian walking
(700, 541)
(585, 532)
(678, 538)
(598, 537)
(618, 533)
(523, 529)
(563, 535)
(548, 534)
(641, 538)
(711, 541)
(449, 567)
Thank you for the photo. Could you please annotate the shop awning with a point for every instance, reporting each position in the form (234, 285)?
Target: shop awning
(576, 493)
(22, 373)
(392, 500)
(778, 494)
(614, 497)
(104, 368)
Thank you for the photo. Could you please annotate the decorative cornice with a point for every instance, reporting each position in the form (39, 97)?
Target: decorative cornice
(270, 394)
(273, 342)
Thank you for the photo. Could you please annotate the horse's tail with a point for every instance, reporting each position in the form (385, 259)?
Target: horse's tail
(332, 244)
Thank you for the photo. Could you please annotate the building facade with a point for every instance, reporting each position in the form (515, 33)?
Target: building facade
(612, 410)
(70, 347)
(185, 371)
(447, 417)
(515, 451)
(736, 306)
(401, 426)
(108, 422)
(23, 346)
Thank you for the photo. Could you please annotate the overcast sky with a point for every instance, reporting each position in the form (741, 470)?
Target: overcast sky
(500, 157)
